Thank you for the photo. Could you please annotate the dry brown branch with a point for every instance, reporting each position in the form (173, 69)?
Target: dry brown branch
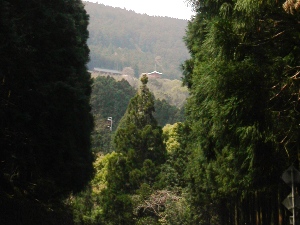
(281, 90)
(295, 75)
(157, 202)
(290, 6)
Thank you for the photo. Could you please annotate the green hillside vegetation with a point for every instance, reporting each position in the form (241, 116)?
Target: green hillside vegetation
(120, 38)
(172, 91)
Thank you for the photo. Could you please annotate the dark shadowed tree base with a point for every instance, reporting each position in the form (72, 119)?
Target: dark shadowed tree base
(26, 212)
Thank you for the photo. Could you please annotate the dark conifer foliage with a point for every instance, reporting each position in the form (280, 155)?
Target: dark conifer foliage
(138, 129)
(110, 98)
(45, 120)
(167, 114)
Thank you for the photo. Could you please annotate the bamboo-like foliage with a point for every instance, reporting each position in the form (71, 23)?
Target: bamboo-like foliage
(243, 110)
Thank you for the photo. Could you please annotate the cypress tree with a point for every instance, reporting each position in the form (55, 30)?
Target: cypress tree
(45, 120)
(139, 142)
(138, 130)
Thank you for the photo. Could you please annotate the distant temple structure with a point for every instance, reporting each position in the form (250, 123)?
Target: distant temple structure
(154, 75)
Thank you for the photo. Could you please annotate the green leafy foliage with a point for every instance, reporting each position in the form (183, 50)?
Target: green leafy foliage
(89, 206)
(167, 114)
(172, 173)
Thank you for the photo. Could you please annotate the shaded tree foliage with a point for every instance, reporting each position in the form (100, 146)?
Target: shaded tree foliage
(45, 120)
(109, 98)
(167, 114)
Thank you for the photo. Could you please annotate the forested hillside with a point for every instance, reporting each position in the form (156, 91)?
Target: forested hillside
(120, 38)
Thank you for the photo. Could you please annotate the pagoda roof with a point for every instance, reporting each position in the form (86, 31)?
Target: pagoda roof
(154, 72)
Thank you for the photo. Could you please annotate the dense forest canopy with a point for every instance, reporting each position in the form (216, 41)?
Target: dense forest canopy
(120, 38)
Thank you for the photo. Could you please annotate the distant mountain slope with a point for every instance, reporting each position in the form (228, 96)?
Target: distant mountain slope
(120, 38)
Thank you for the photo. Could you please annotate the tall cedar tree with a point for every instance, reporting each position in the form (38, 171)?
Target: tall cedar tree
(243, 109)
(45, 120)
(110, 98)
(138, 129)
(139, 142)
